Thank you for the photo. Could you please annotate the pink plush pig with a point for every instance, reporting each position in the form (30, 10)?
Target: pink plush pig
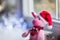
(37, 31)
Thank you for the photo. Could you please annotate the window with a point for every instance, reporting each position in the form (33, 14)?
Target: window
(59, 8)
(50, 5)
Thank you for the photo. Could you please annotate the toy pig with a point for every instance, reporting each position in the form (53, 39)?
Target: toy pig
(37, 31)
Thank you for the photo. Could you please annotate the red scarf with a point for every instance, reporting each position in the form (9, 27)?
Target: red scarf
(36, 30)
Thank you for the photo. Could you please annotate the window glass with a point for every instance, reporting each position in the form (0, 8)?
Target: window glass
(49, 5)
(59, 8)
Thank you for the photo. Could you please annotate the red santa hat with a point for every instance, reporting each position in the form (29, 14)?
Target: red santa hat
(47, 17)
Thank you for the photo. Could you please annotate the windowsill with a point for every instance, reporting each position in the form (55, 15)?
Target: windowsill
(57, 21)
(48, 32)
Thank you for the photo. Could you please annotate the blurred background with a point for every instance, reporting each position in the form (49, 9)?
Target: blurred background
(16, 18)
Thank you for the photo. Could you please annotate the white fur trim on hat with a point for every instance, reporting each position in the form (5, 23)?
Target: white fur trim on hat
(49, 27)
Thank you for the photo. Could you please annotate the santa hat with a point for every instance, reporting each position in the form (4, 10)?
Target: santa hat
(46, 16)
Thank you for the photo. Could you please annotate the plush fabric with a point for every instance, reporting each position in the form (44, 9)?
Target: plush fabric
(47, 16)
(37, 31)
(40, 35)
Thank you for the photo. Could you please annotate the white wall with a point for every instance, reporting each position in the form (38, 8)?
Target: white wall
(27, 8)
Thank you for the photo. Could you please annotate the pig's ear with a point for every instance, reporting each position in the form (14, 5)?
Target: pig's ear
(34, 14)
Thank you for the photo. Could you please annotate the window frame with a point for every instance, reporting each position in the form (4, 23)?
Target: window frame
(31, 7)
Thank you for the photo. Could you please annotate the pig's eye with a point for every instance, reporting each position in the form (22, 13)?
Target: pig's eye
(38, 17)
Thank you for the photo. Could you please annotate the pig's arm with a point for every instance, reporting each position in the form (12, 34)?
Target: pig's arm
(25, 34)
